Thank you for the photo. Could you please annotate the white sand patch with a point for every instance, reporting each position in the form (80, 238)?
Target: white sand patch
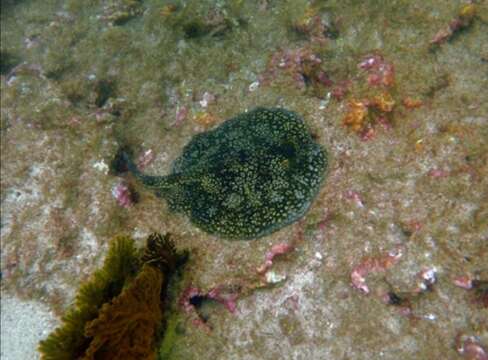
(23, 325)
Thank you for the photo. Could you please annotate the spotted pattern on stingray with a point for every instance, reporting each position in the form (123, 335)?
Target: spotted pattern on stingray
(247, 178)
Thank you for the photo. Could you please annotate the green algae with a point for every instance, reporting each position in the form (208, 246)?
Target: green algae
(249, 177)
(170, 337)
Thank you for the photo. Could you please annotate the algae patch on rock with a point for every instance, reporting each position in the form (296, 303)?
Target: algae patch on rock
(247, 178)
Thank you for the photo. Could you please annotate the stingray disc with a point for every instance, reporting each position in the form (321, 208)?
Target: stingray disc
(248, 177)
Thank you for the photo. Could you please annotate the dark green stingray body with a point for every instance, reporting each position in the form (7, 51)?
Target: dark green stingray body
(248, 177)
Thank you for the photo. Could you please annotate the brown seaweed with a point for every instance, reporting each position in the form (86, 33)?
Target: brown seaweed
(125, 327)
(68, 341)
(118, 312)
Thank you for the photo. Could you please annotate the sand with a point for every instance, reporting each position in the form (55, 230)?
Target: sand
(23, 325)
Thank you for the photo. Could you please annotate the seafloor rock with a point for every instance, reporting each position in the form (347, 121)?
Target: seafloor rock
(418, 184)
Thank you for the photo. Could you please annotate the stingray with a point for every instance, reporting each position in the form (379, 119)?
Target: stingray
(246, 178)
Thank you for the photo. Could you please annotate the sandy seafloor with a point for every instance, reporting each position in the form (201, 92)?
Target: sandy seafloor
(390, 262)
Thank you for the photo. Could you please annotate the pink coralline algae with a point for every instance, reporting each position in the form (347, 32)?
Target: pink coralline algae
(145, 159)
(383, 121)
(228, 300)
(479, 288)
(123, 194)
(438, 173)
(188, 294)
(464, 19)
(380, 71)
(277, 249)
(192, 296)
(470, 348)
(313, 26)
(340, 89)
(464, 281)
(373, 265)
(376, 104)
(301, 64)
(367, 134)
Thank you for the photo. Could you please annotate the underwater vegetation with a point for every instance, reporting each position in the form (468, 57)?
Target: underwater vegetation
(249, 177)
(118, 313)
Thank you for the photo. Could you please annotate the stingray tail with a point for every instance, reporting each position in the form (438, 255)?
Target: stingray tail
(123, 163)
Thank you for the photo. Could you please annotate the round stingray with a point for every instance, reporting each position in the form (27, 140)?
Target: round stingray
(250, 176)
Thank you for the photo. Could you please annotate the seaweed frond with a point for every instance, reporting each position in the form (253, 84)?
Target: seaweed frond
(161, 253)
(121, 264)
(68, 341)
(117, 314)
(126, 327)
